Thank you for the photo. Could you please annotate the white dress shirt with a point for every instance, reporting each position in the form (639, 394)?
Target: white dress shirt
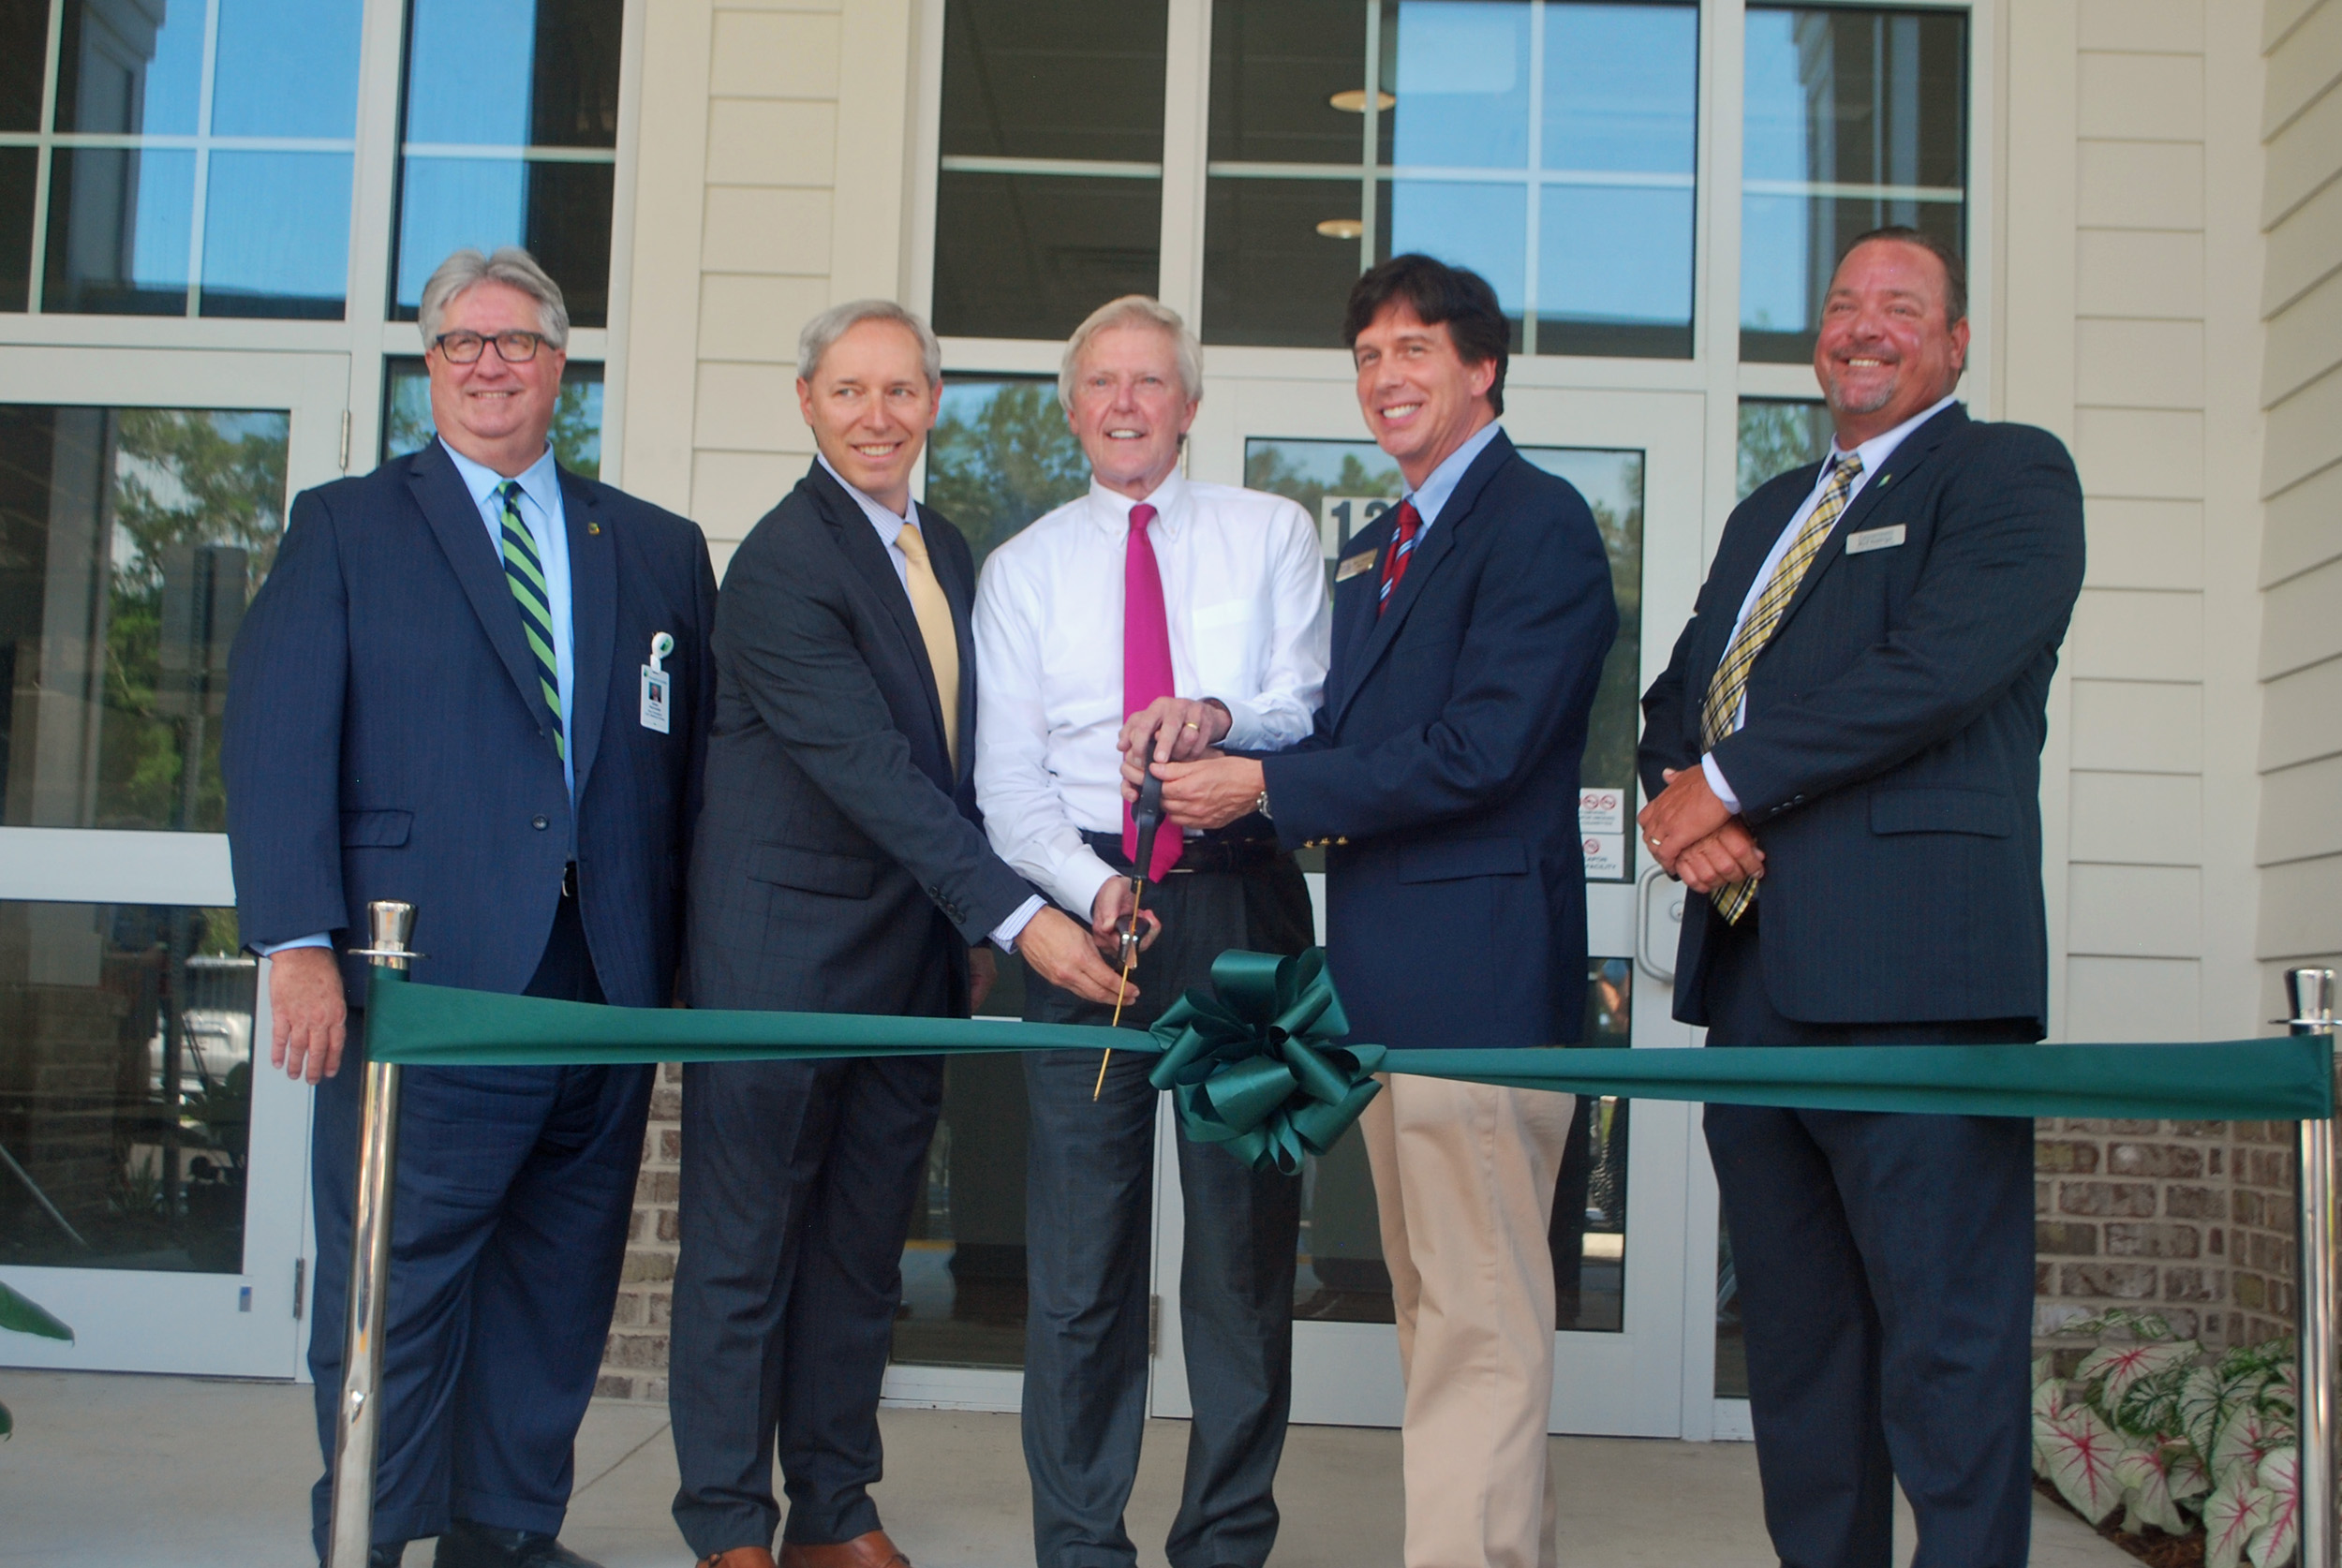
(1244, 592)
(1873, 454)
(889, 526)
(541, 513)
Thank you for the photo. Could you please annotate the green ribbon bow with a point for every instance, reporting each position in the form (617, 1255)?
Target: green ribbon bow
(1256, 1068)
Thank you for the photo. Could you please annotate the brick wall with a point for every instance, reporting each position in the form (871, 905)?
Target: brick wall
(634, 1363)
(2191, 1219)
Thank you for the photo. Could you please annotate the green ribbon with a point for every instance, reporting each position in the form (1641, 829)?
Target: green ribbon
(1257, 1067)
(1254, 1064)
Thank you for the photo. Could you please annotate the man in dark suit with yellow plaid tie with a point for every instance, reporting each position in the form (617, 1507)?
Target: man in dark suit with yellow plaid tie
(1844, 756)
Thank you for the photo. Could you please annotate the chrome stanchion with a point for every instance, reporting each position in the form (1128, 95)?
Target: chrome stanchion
(2309, 1002)
(359, 1422)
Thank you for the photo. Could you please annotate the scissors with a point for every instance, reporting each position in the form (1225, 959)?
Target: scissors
(1148, 814)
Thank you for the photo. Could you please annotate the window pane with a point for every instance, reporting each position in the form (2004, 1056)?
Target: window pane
(1482, 227)
(1621, 88)
(1000, 455)
(577, 432)
(126, 69)
(118, 221)
(1462, 83)
(1612, 484)
(1031, 255)
(964, 1264)
(1280, 257)
(1276, 67)
(18, 166)
(559, 211)
(130, 539)
(1614, 271)
(23, 60)
(126, 1087)
(276, 236)
(1054, 79)
(468, 62)
(1779, 435)
(1853, 119)
(286, 67)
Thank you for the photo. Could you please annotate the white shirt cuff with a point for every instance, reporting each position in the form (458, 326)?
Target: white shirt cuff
(1715, 783)
(1004, 935)
(1243, 724)
(270, 949)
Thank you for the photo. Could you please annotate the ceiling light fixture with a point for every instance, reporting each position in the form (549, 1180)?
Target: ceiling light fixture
(1352, 101)
(1342, 229)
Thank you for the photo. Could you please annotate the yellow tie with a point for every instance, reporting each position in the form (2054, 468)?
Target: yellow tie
(1720, 715)
(934, 615)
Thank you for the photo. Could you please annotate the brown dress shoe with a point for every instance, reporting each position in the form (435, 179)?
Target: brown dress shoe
(874, 1550)
(739, 1556)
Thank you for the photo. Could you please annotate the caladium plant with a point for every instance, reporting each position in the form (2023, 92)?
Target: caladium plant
(2158, 1426)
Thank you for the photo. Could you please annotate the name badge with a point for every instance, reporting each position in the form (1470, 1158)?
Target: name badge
(656, 683)
(1874, 538)
(1362, 561)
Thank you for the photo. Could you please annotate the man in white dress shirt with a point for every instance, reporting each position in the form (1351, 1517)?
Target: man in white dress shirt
(1149, 592)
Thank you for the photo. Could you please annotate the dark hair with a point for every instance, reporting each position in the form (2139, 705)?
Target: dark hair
(1955, 269)
(1457, 296)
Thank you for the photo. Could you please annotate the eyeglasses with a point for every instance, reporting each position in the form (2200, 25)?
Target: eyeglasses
(463, 347)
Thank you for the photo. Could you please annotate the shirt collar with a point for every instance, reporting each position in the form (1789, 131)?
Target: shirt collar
(1431, 497)
(541, 481)
(1111, 509)
(1874, 451)
(888, 524)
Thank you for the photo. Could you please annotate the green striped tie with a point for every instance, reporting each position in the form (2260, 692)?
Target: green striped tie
(527, 576)
(1720, 715)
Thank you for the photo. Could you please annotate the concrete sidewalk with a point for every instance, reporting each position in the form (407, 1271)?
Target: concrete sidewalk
(183, 1473)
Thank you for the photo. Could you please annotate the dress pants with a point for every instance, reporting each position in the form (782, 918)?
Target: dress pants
(797, 1186)
(1464, 1176)
(510, 1205)
(1886, 1282)
(1089, 1181)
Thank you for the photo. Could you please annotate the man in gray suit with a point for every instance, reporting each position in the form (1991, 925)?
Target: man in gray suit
(840, 867)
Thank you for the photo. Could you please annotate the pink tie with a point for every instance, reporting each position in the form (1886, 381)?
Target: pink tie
(1145, 664)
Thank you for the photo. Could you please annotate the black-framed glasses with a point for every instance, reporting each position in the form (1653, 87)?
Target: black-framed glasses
(512, 348)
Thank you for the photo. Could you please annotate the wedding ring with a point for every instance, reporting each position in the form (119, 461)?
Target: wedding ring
(1190, 724)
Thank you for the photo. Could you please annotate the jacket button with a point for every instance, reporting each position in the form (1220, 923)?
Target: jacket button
(539, 823)
(1342, 841)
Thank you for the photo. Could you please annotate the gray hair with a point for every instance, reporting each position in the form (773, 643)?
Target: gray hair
(510, 266)
(824, 331)
(1135, 310)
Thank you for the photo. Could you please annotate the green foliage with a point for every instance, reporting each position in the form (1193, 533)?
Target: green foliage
(26, 1317)
(1778, 435)
(1001, 457)
(1268, 467)
(2159, 1428)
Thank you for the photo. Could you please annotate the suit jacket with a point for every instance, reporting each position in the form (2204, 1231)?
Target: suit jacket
(839, 865)
(386, 732)
(1444, 768)
(1891, 762)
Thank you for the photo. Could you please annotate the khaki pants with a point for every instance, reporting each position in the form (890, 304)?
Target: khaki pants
(1464, 1177)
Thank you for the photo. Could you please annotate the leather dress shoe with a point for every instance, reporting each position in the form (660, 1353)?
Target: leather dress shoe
(477, 1546)
(874, 1550)
(739, 1556)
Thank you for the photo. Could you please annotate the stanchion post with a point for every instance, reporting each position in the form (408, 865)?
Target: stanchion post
(2310, 1005)
(359, 1422)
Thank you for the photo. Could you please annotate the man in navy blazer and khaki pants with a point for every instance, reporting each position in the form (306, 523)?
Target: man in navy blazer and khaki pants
(1844, 756)
(479, 683)
(1470, 626)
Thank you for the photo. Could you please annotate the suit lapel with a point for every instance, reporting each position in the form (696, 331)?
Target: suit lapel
(1914, 450)
(860, 542)
(455, 520)
(1431, 548)
(593, 620)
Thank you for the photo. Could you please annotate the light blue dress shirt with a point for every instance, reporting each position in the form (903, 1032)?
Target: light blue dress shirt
(1431, 497)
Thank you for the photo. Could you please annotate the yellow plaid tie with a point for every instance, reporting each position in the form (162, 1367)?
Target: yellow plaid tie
(934, 615)
(1720, 715)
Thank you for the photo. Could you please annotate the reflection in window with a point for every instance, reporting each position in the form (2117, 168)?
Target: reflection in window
(1547, 144)
(130, 542)
(257, 227)
(964, 1264)
(1049, 192)
(1000, 455)
(577, 432)
(1778, 435)
(511, 135)
(1854, 119)
(126, 1087)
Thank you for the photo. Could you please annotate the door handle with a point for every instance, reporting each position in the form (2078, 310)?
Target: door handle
(1656, 891)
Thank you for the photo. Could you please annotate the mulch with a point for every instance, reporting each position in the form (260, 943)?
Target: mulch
(2150, 1546)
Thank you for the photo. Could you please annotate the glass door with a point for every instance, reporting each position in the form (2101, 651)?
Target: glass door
(1623, 1237)
(141, 1134)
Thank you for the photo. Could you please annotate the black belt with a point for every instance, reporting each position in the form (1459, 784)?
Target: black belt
(1209, 851)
